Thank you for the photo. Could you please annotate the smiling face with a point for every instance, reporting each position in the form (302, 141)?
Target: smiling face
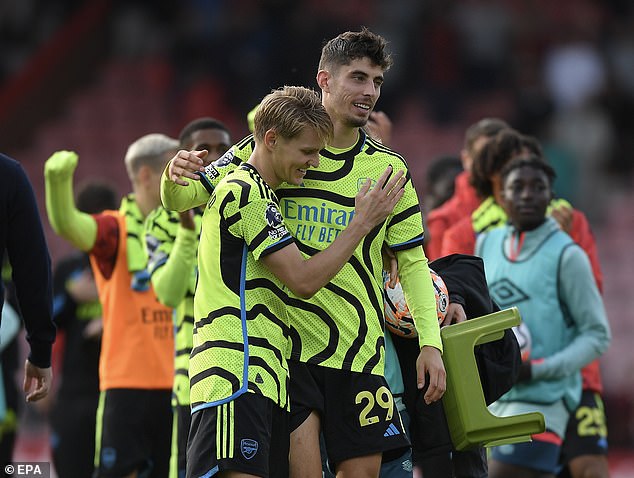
(351, 91)
(290, 127)
(527, 193)
(291, 157)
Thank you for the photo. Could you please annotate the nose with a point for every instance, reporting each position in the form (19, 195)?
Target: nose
(526, 192)
(372, 90)
(313, 162)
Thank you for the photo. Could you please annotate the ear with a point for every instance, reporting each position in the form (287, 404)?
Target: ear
(323, 77)
(270, 137)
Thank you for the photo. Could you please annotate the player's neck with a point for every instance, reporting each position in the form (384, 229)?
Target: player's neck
(344, 137)
(265, 169)
(146, 201)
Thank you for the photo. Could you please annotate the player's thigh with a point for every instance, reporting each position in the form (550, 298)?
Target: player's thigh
(124, 440)
(305, 456)
(360, 417)
(586, 434)
(307, 405)
(589, 466)
(247, 435)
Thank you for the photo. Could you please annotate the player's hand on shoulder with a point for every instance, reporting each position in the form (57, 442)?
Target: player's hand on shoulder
(374, 203)
(61, 164)
(185, 164)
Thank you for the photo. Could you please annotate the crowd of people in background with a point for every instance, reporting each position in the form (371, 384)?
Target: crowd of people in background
(551, 69)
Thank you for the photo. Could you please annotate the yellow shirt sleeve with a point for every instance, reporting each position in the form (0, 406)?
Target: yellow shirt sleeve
(75, 226)
(172, 280)
(419, 294)
(181, 198)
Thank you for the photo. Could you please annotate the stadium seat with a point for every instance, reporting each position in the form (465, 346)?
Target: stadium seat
(470, 422)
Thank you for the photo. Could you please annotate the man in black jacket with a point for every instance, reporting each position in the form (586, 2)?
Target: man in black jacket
(22, 237)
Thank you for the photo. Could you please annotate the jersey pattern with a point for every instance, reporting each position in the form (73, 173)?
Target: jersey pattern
(241, 327)
(161, 227)
(342, 326)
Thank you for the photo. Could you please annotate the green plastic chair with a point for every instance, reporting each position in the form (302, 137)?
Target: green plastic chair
(470, 422)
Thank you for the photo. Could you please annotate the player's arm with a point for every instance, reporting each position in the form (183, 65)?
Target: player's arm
(171, 264)
(73, 225)
(181, 188)
(579, 292)
(581, 233)
(419, 295)
(575, 223)
(304, 277)
(31, 269)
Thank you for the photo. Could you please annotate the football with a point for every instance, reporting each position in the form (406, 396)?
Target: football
(523, 335)
(397, 316)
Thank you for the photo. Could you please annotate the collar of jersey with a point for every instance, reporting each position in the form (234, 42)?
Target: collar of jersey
(346, 153)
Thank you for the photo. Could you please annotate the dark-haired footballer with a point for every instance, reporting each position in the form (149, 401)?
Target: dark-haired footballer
(171, 240)
(249, 265)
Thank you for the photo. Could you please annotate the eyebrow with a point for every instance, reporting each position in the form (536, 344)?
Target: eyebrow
(361, 72)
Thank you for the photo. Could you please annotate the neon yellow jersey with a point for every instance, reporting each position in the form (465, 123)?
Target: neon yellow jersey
(161, 227)
(241, 327)
(342, 326)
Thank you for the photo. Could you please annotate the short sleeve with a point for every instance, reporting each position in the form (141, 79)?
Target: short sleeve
(263, 228)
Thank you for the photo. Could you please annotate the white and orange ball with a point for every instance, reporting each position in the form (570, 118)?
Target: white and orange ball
(397, 316)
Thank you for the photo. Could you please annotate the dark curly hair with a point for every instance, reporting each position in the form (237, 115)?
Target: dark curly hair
(502, 148)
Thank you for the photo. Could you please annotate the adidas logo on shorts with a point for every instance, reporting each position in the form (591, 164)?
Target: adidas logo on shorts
(391, 431)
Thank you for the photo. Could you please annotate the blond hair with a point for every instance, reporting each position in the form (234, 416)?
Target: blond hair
(149, 150)
(290, 109)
